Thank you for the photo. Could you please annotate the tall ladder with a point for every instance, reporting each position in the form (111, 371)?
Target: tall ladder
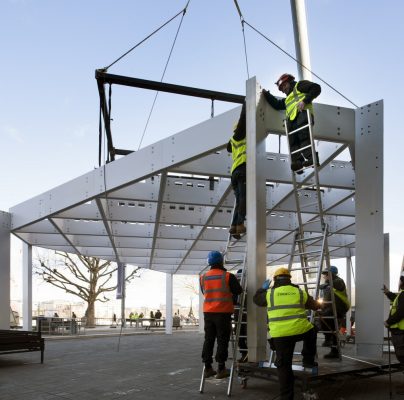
(239, 321)
(233, 257)
(312, 260)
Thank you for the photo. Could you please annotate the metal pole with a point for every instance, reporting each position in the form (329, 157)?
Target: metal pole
(123, 319)
(388, 344)
(301, 38)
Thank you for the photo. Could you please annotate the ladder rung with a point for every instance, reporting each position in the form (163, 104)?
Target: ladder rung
(237, 245)
(301, 269)
(298, 129)
(326, 331)
(310, 238)
(300, 150)
(312, 221)
(308, 252)
(233, 261)
(328, 317)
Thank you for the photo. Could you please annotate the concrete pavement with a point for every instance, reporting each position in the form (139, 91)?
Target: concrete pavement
(147, 366)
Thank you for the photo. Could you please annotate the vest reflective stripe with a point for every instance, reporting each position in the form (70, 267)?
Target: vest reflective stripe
(343, 296)
(399, 325)
(216, 288)
(291, 102)
(286, 312)
(238, 152)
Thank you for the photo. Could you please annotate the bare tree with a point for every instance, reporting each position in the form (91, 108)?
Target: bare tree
(84, 277)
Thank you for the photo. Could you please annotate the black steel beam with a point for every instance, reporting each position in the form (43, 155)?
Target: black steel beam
(104, 77)
(107, 123)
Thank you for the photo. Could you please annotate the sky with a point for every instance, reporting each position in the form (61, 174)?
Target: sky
(49, 99)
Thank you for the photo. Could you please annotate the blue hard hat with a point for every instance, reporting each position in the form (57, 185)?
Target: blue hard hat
(333, 270)
(215, 258)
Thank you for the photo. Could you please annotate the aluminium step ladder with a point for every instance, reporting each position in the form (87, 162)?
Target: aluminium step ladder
(240, 324)
(310, 249)
(235, 255)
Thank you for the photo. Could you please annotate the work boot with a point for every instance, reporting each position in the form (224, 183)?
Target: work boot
(223, 373)
(240, 229)
(309, 364)
(233, 229)
(332, 354)
(209, 371)
(296, 165)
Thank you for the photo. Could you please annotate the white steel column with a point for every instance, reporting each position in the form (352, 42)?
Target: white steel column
(256, 220)
(169, 304)
(27, 286)
(369, 229)
(201, 319)
(301, 38)
(349, 293)
(386, 281)
(5, 270)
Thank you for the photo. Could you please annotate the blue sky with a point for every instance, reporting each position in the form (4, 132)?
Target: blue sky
(50, 50)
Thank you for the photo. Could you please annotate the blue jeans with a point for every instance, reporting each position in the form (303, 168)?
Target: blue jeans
(239, 184)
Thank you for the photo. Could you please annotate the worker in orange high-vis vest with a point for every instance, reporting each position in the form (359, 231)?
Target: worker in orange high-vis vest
(220, 289)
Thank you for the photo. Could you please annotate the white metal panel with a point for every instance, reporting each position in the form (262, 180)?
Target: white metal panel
(369, 229)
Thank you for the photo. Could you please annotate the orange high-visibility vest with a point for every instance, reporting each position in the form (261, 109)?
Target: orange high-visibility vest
(216, 288)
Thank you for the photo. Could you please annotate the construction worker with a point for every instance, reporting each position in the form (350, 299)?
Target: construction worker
(287, 321)
(218, 287)
(237, 146)
(342, 306)
(299, 97)
(395, 321)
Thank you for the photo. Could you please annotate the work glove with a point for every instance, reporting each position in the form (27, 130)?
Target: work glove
(266, 284)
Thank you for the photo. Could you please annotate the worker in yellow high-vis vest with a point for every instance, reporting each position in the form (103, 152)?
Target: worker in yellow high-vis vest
(299, 97)
(237, 146)
(395, 321)
(288, 323)
(342, 305)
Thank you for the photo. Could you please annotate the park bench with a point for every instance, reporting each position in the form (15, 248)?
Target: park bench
(21, 341)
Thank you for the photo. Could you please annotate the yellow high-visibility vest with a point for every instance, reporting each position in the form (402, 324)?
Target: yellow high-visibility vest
(238, 152)
(343, 296)
(286, 313)
(399, 325)
(291, 102)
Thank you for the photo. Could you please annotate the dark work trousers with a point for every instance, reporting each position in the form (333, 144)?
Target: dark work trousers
(239, 184)
(397, 338)
(217, 327)
(285, 347)
(301, 138)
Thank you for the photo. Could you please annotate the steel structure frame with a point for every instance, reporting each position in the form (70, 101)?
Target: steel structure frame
(166, 205)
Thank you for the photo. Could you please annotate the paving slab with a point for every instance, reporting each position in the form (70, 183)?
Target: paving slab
(153, 366)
